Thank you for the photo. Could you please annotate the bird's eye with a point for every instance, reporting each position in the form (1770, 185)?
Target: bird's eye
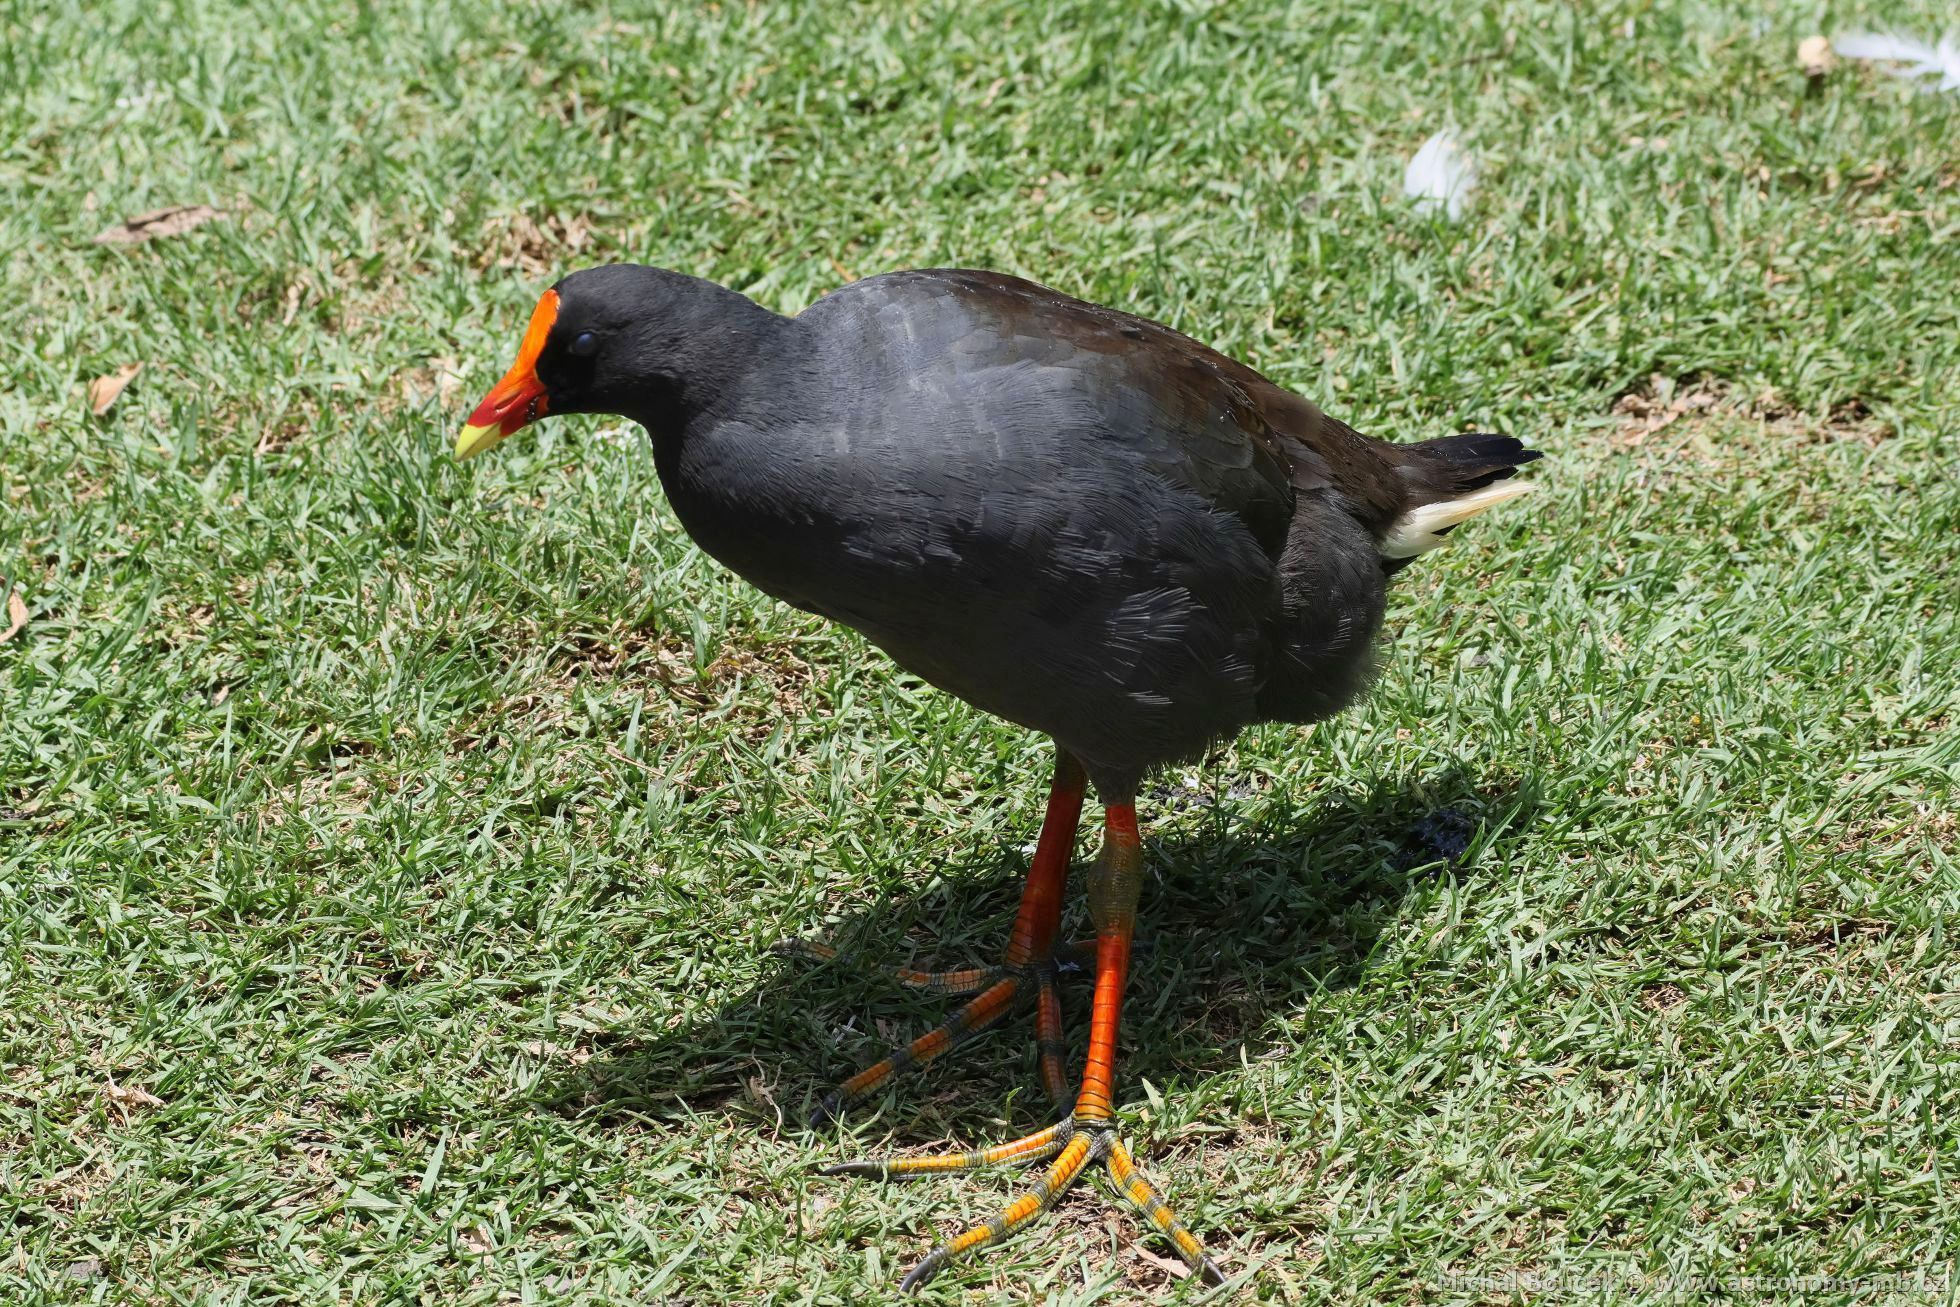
(584, 345)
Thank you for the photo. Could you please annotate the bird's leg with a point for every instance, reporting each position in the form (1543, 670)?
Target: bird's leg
(1028, 963)
(1088, 1134)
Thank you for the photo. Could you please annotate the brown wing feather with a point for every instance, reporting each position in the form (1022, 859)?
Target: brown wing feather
(1229, 420)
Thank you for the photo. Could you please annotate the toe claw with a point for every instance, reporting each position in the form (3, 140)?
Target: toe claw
(864, 1170)
(915, 1279)
(826, 1113)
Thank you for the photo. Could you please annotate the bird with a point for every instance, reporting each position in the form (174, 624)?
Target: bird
(1074, 518)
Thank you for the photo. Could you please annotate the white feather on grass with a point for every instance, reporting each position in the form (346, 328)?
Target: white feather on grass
(1921, 60)
(1441, 175)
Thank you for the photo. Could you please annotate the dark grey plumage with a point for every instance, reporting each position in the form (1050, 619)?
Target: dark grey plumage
(1076, 519)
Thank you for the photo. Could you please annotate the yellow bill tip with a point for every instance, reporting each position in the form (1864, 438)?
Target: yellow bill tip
(473, 440)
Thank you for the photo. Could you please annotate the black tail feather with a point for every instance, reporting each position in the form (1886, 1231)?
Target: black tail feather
(1473, 460)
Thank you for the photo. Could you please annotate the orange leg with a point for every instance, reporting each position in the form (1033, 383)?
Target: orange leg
(1088, 1134)
(1028, 963)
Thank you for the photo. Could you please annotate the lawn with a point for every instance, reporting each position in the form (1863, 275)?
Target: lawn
(391, 850)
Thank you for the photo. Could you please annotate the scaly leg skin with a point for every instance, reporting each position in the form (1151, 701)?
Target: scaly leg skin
(1088, 1134)
(1030, 962)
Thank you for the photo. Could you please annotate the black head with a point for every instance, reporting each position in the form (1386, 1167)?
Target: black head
(623, 338)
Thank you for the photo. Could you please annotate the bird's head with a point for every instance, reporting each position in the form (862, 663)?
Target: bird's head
(615, 339)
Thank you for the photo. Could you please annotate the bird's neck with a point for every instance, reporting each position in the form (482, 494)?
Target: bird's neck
(710, 363)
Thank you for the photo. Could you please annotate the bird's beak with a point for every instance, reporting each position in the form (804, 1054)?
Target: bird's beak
(519, 399)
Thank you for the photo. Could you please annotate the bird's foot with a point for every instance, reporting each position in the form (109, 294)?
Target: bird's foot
(1075, 1146)
(993, 991)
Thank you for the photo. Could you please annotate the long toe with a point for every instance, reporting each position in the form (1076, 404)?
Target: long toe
(1036, 1147)
(1073, 1149)
(1062, 1172)
(1129, 1182)
(986, 1008)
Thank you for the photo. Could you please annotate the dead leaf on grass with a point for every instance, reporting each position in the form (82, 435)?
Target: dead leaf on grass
(129, 1095)
(103, 392)
(16, 616)
(1660, 405)
(545, 1049)
(1170, 1266)
(158, 224)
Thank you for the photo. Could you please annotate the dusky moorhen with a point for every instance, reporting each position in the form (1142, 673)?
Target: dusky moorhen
(1076, 519)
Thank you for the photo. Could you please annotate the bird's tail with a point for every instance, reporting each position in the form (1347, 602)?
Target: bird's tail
(1451, 480)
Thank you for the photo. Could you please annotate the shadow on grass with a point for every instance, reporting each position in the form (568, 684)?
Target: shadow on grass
(1239, 924)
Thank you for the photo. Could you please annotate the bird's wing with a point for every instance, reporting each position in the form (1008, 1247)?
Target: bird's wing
(1192, 416)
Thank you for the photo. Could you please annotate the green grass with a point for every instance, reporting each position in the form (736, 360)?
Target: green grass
(416, 833)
